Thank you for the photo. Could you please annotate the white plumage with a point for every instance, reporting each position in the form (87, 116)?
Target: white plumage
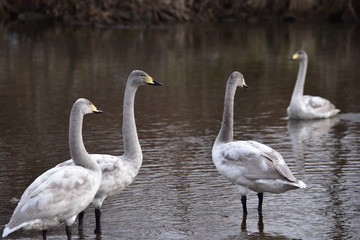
(254, 166)
(249, 164)
(305, 106)
(61, 193)
(118, 172)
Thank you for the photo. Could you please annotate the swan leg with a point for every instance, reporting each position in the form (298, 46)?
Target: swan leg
(243, 201)
(243, 223)
(81, 221)
(97, 220)
(68, 232)
(260, 196)
(44, 234)
(261, 223)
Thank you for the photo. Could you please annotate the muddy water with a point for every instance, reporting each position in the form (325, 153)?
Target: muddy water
(178, 193)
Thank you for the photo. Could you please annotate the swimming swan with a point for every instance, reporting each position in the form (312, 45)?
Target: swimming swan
(118, 172)
(61, 193)
(305, 106)
(249, 164)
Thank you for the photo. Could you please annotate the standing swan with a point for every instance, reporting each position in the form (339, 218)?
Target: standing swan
(60, 194)
(249, 164)
(305, 106)
(118, 172)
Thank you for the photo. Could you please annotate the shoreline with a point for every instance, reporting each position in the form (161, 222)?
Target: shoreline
(157, 12)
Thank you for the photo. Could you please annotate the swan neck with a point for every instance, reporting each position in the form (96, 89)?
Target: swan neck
(77, 149)
(300, 81)
(226, 131)
(132, 148)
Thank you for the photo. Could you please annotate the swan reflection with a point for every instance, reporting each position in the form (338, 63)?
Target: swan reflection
(260, 234)
(313, 134)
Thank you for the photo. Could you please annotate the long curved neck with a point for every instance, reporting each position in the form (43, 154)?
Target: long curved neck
(132, 148)
(226, 131)
(300, 81)
(77, 149)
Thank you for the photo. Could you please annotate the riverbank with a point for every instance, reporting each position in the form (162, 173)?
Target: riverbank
(153, 12)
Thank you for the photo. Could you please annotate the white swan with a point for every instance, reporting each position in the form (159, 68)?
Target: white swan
(249, 164)
(60, 194)
(118, 172)
(305, 106)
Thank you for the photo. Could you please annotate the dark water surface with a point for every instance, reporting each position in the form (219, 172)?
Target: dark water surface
(178, 193)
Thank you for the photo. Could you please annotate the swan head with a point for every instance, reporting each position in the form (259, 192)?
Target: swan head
(299, 55)
(138, 77)
(239, 80)
(85, 106)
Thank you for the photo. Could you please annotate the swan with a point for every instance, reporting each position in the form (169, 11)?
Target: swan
(249, 164)
(118, 172)
(305, 106)
(61, 193)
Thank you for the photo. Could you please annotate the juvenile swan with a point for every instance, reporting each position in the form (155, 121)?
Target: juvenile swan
(61, 193)
(249, 164)
(118, 172)
(305, 106)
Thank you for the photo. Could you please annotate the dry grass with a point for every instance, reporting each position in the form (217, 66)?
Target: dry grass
(164, 11)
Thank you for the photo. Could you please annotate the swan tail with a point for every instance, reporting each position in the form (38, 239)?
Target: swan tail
(300, 184)
(8, 230)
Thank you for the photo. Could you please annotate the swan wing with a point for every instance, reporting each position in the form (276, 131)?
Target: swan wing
(275, 157)
(117, 174)
(110, 166)
(319, 104)
(250, 160)
(56, 195)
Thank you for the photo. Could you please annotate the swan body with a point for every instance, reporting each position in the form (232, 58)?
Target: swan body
(254, 166)
(305, 106)
(118, 172)
(61, 193)
(249, 164)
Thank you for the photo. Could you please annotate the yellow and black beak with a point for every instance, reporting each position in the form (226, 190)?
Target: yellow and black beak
(151, 81)
(294, 56)
(95, 110)
(244, 86)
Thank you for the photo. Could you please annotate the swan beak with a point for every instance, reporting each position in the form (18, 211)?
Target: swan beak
(151, 81)
(294, 56)
(95, 110)
(244, 86)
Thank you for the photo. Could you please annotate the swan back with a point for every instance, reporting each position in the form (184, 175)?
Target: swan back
(254, 166)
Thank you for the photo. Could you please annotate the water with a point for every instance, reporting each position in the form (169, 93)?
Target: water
(178, 193)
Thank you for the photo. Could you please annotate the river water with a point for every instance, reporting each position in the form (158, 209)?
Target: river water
(178, 193)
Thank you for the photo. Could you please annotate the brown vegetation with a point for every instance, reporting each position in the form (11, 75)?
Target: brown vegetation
(111, 12)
